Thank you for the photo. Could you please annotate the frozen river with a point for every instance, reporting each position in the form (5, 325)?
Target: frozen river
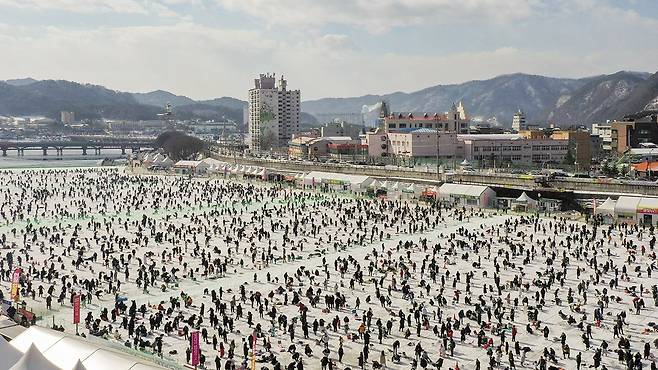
(348, 281)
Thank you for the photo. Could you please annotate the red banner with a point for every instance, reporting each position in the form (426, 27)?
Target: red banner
(76, 309)
(15, 284)
(195, 348)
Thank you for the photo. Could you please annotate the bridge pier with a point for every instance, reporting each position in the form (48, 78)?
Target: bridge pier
(123, 150)
(21, 152)
(97, 150)
(84, 150)
(45, 150)
(60, 151)
(4, 152)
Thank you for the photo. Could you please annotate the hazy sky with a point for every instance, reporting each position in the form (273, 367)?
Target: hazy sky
(211, 48)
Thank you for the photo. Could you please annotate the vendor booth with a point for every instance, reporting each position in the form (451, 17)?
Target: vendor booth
(462, 195)
(337, 181)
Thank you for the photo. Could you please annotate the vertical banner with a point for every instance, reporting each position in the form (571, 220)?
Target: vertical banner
(195, 348)
(15, 284)
(76, 309)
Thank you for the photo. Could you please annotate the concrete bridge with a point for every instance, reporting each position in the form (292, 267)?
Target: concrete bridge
(84, 144)
(581, 188)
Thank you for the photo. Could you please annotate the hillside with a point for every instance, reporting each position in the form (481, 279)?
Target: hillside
(544, 99)
(601, 98)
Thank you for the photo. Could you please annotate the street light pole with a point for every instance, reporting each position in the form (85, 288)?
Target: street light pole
(437, 150)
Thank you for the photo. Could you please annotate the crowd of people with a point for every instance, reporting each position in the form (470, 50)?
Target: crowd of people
(316, 279)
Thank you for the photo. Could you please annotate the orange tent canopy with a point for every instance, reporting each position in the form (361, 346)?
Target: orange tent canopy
(646, 166)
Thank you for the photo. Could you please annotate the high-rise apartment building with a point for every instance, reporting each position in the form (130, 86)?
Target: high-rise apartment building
(273, 113)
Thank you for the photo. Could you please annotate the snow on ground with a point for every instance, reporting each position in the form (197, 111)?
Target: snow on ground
(456, 277)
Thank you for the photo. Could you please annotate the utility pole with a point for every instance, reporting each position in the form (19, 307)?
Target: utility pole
(438, 176)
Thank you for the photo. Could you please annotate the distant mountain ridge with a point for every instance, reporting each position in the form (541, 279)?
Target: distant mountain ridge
(49, 97)
(543, 99)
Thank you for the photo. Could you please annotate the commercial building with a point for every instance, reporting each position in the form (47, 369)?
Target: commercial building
(455, 121)
(580, 145)
(633, 131)
(416, 143)
(319, 148)
(484, 150)
(273, 113)
(342, 128)
(604, 132)
(501, 149)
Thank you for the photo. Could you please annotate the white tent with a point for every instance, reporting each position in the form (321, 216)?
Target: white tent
(627, 206)
(64, 351)
(354, 182)
(375, 184)
(467, 195)
(8, 354)
(607, 208)
(525, 199)
(384, 185)
(412, 188)
(396, 186)
(79, 366)
(33, 360)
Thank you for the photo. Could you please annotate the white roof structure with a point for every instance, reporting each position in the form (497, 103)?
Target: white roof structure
(627, 205)
(524, 198)
(474, 191)
(412, 188)
(64, 351)
(607, 208)
(375, 184)
(163, 161)
(190, 164)
(8, 354)
(396, 186)
(213, 163)
(34, 360)
(353, 180)
(647, 204)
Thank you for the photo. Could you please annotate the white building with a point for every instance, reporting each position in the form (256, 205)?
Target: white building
(273, 113)
(519, 121)
(604, 131)
(67, 118)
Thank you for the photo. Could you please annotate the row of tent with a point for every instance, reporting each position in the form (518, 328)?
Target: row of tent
(44, 349)
(210, 165)
(630, 209)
